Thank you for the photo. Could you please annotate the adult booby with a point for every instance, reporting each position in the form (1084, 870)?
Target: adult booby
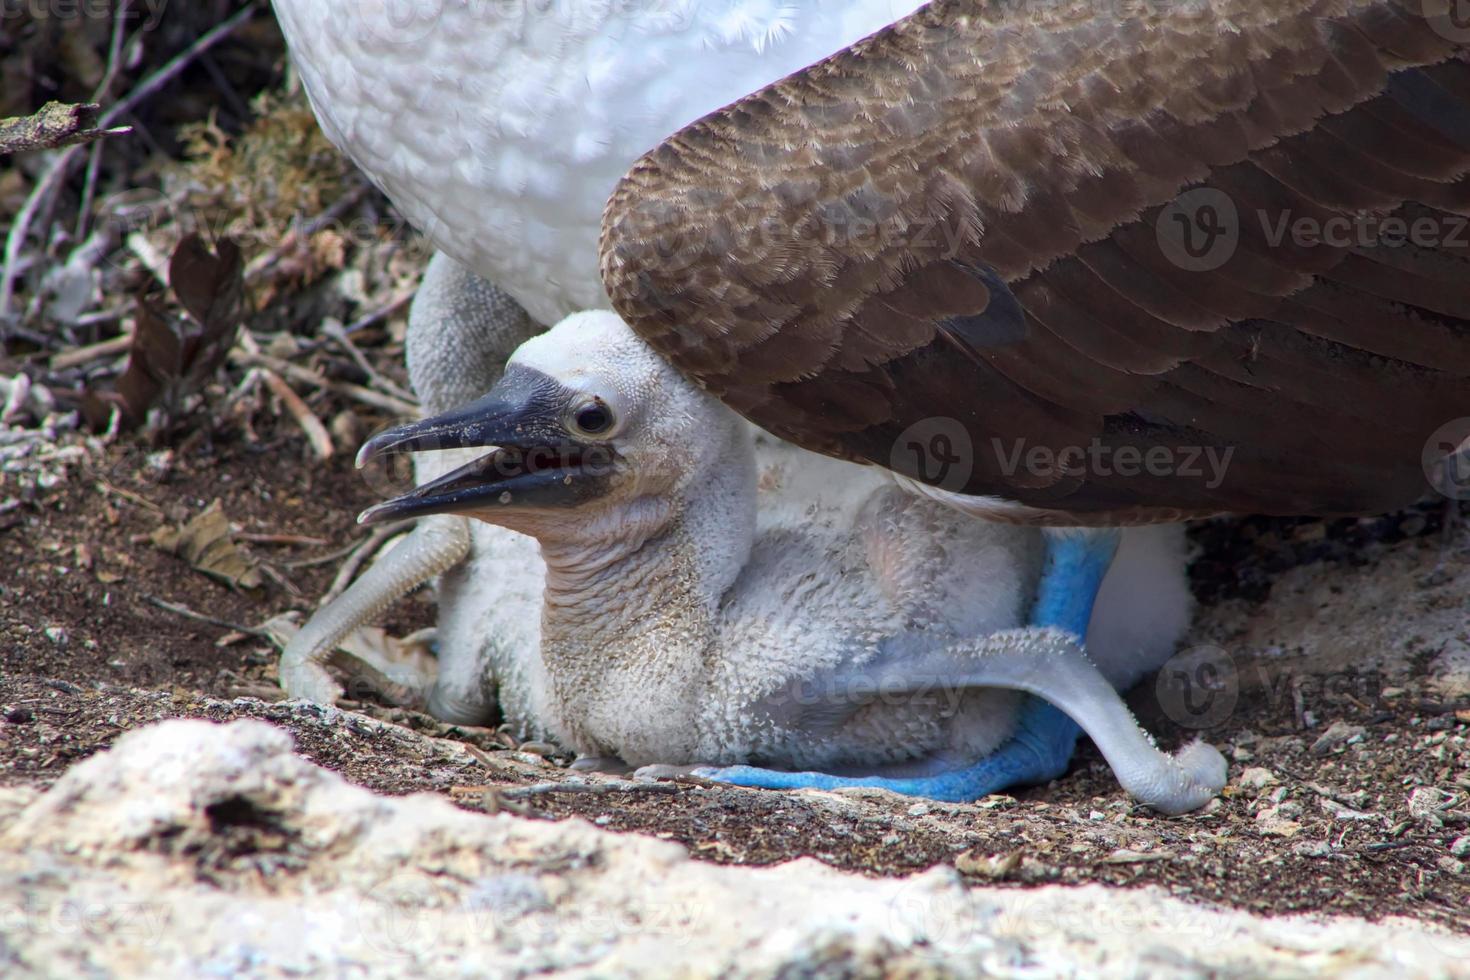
(781, 251)
(867, 646)
(1059, 232)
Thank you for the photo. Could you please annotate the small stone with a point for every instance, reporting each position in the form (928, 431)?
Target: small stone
(1337, 734)
(20, 715)
(1412, 525)
(1277, 827)
(918, 810)
(1451, 866)
(1425, 803)
(1391, 693)
(992, 866)
(1460, 846)
(1126, 855)
(57, 635)
(1341, 812)
(1257, 778)
(1312, 849)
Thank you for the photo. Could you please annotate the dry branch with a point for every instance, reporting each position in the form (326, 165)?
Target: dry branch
(57, 124)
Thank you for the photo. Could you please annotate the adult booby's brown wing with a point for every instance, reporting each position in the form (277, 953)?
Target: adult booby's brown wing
(1086, 256)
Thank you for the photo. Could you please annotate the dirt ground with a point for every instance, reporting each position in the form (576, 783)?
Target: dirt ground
(86, 652)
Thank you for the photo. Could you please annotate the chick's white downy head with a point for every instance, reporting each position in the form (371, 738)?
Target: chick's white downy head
(587, 421)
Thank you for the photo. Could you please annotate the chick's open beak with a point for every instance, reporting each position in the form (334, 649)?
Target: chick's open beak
(534, 461)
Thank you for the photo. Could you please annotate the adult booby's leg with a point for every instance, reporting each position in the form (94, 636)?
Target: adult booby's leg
(1046, 663)
(461, 330)
(1076, 560)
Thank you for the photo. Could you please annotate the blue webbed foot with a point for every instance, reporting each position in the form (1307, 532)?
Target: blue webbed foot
(1039, 751)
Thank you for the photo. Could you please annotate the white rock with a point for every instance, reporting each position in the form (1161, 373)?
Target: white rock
(1256, 779)
(196, 849)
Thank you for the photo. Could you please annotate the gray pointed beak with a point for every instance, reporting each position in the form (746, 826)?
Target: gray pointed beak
(533, 461)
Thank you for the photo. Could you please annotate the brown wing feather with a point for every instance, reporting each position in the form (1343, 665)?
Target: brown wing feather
(976, 215)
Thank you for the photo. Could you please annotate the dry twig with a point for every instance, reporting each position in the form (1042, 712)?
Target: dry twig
(57, 170)
(188, 613)
(53, 126)
(316, 432)
(286, 369)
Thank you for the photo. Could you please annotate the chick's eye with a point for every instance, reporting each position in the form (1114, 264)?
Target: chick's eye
(593, 418)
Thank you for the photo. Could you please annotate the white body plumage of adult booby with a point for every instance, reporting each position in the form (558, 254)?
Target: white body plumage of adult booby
(500, 129)
(874, 638)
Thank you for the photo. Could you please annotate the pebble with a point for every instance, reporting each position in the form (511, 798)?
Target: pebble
(1338, 733)
(1460, 846)
(1257, 778)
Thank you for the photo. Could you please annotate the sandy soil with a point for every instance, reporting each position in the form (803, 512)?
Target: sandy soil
(1366, 825)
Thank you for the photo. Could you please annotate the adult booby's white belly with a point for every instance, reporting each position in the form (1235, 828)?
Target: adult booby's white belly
(499, 127)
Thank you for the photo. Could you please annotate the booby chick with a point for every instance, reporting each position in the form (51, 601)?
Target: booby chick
(855, 650)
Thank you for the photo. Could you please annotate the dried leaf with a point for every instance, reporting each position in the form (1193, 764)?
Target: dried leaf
(212, 288)
(206, 543)
(172, 356)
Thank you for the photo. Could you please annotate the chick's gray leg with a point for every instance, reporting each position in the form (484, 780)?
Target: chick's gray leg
(461, 331)
(1049, 664)
(435, 545)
